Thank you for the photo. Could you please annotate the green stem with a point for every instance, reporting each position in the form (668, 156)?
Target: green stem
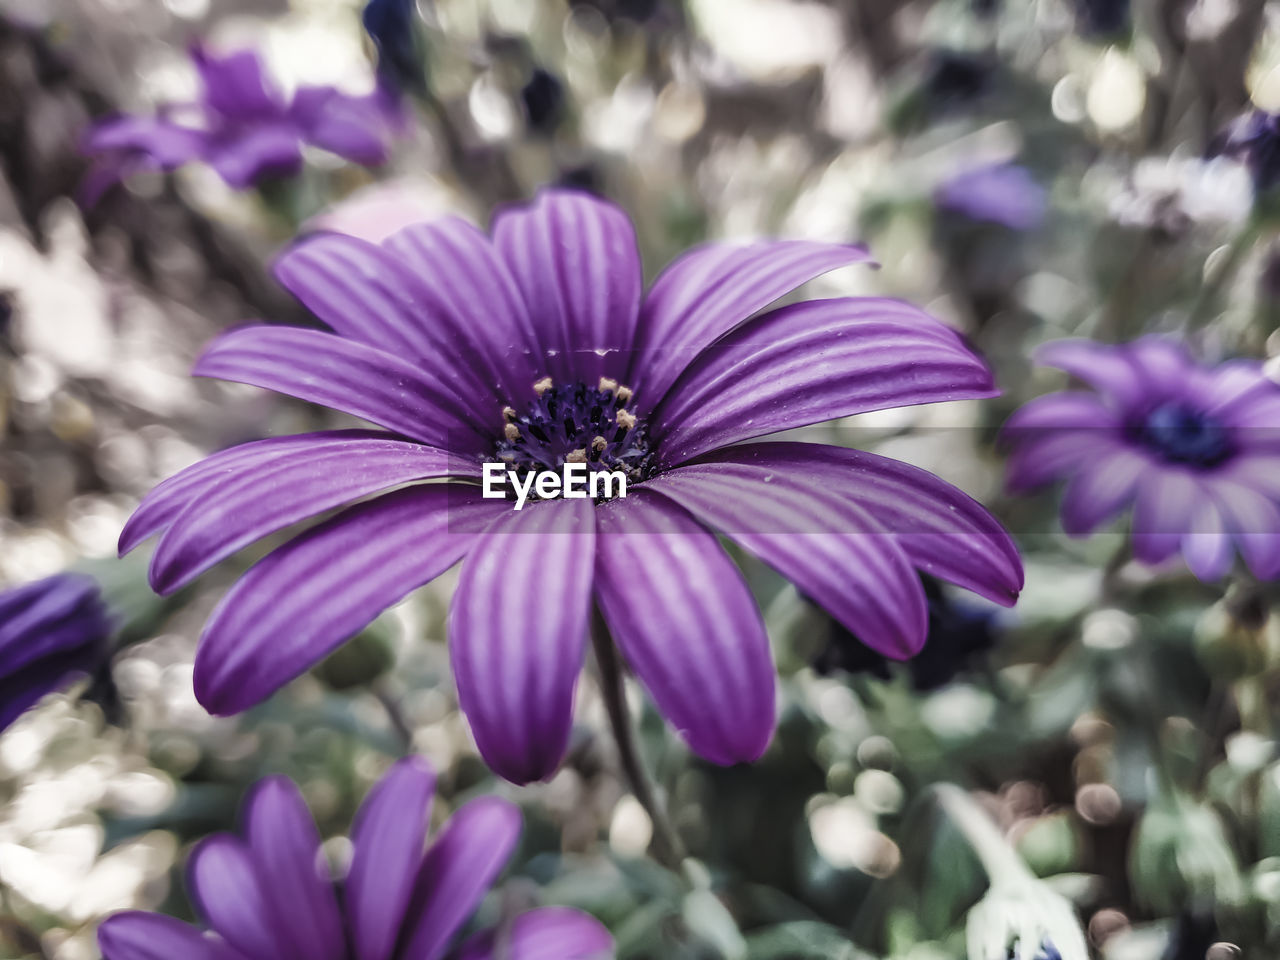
(395, 715)
(667, 846)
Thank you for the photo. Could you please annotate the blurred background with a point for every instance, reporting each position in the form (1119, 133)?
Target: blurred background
(1118, 724)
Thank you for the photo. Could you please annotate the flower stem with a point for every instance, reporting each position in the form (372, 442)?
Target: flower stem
(1001, 863)
(667, 847)
(1222, 271)
(395, 715)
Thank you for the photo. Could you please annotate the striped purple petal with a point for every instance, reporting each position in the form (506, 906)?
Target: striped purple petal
(943, 531)
(575, 260)
(389, 836)
(710, 290)
(371, 294)
(811, 362)
(285, 851)
(305, 598)
(686, 621)
(55, 616)
(191, 485)
(233, 899)
(363, 381)
(1102, 487)
(517, 634)
(858, 573)
(458, 870)
(1163, 507)
(551, 933)
(466, 293)
(262, 499)
(137, 935)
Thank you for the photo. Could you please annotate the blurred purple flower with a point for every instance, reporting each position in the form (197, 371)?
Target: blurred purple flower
(243, 127)
(50, 630)
(532, 348)
(999, 193)
(1194, 449)
(1254, 140)
(392, 26)
(267, 896)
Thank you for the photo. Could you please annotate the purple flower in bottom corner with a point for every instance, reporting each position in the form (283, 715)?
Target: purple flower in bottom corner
(535, 351)
(268, 896)
(1000, 193)
(1194, 449)
(243, 127)
(50, 631)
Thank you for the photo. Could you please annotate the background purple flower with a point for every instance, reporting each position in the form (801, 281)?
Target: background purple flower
(534, 347)
(1193, 449)
(243, 127)
(50, 630)
(1254, 139)
(999, 193)
(267, 895)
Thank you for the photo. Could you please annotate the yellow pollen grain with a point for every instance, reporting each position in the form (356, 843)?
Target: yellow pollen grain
(623, 394)
(598, 444)
(542, 386)
(608, 383)
(509, 414)
(512, 432)
(625, 420)
(576, 456)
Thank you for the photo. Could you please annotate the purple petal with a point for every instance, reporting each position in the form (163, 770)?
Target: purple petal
(232, 898)
(137, 935)
(305, 598)
(811, 362)
(942, 530)
(459, 868)
(1254, 519)
(859, 574)
(370, 294)
(1055, 454)
(272, 150)
(389, 835)
(710, 290)
(1064, 410)
(235, 84)
(163, 143)
(1207, 547)
(469, 301)
(285, 849)
(28, 685)
(687, 623)
(575, 260)
(170, 497)
(1001, 193)
(517, 634)
(551, 933)
(1165, 503)
(262, 499)
(1101, 489)
(363, 381)
(57, 615)
(1119, 373)
(356, 128)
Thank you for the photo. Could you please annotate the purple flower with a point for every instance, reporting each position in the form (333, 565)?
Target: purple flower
(999, 193)
(1193, 449)
(243, 127)
(268, 897)
(533, 348)
(50, 630)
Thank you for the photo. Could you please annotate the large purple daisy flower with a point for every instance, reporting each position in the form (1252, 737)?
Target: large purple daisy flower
(1193, 449)
(533, 348)
(50, 631)
(267, 896)
(242, 126)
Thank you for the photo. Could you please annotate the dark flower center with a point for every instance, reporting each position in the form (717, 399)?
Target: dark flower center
(1184, 435)
(575, 423)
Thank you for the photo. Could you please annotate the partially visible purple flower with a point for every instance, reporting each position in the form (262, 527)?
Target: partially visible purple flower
(268, 896)
(536, 347)
(243, 127)
(50, 631)
(1001, 193)
(392, 25)
(1254, 139)
(1193, 449)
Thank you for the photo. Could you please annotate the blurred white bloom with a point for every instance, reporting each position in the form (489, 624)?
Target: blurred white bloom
(1023, 916)
(1174, 192)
